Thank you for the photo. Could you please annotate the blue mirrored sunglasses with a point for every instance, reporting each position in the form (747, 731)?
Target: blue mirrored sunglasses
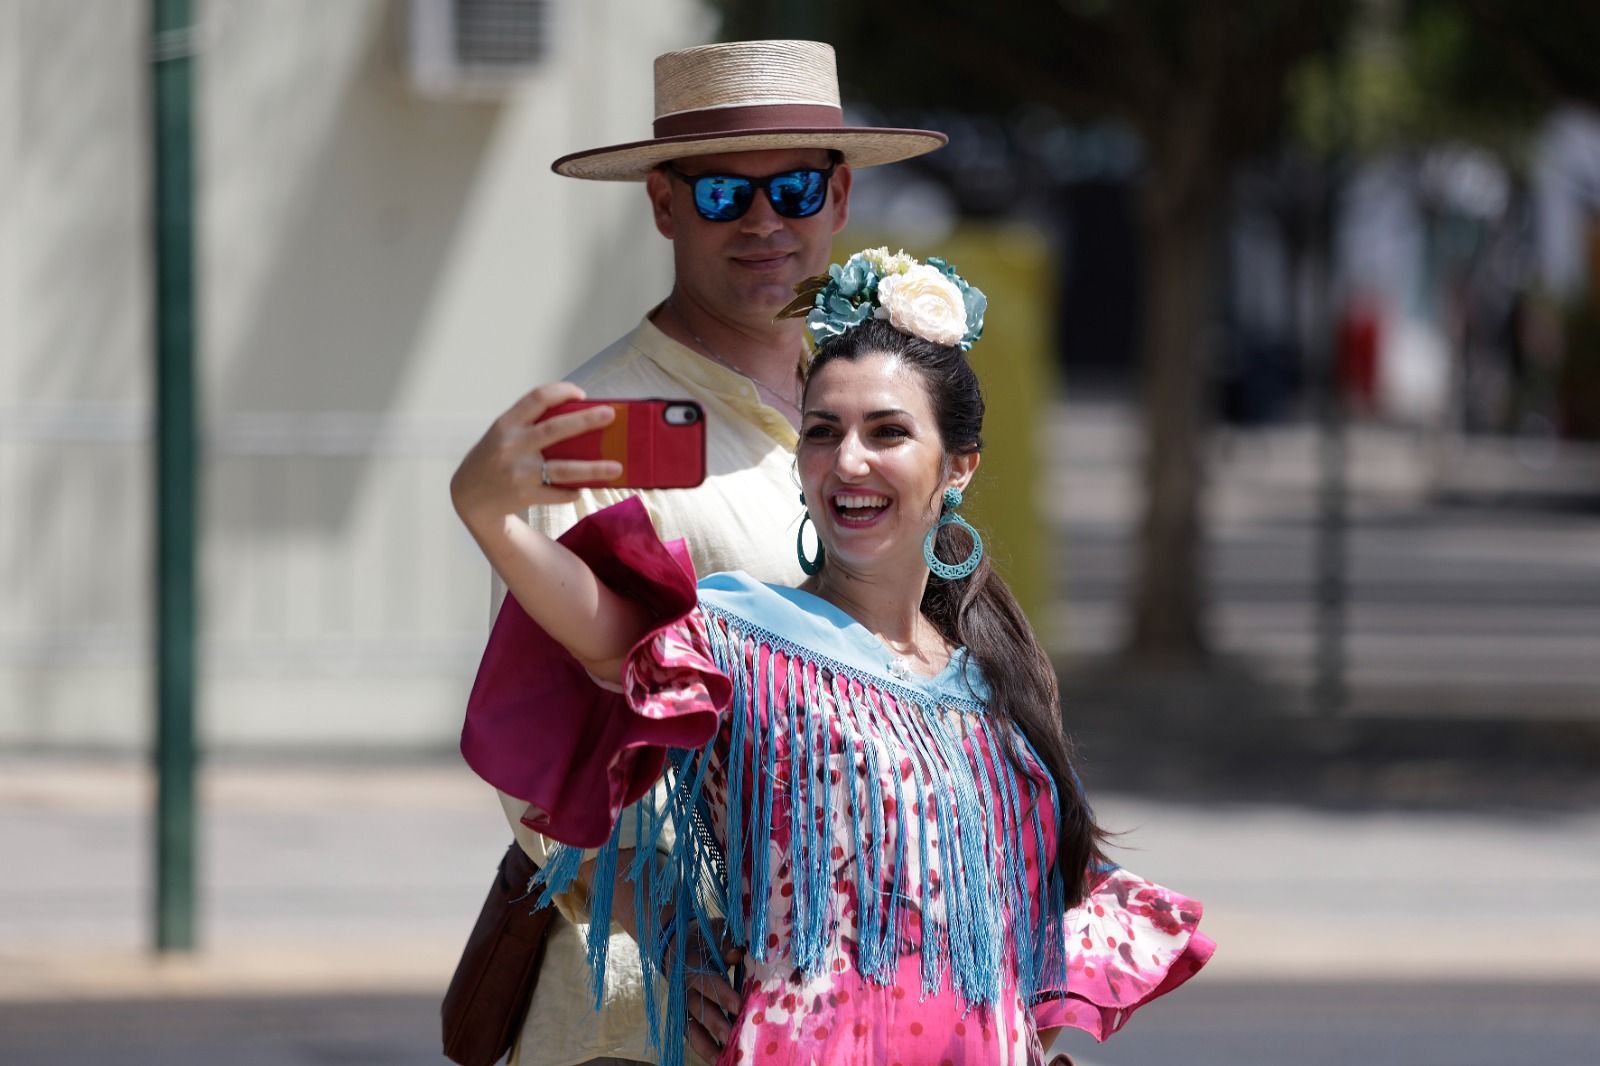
(725, 197)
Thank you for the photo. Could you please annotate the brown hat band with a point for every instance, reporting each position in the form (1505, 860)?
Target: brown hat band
(713, 120)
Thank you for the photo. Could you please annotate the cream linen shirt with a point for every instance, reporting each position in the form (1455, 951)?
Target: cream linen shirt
(744, 517)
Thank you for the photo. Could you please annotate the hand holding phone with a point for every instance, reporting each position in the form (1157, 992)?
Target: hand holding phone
(661, 444)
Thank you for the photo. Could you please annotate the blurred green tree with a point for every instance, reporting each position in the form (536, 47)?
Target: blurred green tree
(1424, 71)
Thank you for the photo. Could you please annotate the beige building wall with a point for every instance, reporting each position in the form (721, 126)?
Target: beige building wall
(379, 275)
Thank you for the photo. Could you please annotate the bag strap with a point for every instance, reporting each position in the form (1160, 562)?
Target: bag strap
(492, 987)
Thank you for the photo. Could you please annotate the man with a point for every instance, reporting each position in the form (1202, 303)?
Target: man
(748, 175)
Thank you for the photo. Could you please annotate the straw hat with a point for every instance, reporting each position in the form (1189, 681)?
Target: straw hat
(744, 97)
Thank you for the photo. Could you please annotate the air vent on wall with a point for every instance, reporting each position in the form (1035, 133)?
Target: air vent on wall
(476, 47)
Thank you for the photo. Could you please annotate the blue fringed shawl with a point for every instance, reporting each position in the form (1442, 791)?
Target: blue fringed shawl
(957, 880)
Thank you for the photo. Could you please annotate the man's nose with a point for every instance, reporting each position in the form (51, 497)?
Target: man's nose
(761, 220)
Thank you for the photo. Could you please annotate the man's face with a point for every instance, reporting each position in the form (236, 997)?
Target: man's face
(744, 271)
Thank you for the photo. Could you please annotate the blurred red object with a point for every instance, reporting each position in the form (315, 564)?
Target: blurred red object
(1360, 331)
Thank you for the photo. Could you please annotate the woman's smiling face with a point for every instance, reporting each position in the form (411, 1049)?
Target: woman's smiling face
(871, 461)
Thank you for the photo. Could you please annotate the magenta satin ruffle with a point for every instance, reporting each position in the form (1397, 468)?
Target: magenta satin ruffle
(537, 726)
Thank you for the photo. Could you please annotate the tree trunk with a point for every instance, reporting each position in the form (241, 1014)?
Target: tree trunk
(1166, 619)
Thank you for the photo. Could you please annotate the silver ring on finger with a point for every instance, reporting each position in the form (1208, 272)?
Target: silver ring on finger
(544, 474)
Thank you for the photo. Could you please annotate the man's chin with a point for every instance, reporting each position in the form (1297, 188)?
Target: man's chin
(767, 296)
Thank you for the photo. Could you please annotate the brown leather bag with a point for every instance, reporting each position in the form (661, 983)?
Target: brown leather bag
(493, 984)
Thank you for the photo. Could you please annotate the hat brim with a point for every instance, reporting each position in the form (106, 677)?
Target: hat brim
(860, 146)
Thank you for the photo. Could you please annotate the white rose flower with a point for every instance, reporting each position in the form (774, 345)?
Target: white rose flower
(924, 303)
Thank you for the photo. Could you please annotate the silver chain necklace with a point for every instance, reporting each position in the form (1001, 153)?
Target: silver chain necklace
(761, 386)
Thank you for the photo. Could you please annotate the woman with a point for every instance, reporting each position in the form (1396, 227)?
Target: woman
(880, 851)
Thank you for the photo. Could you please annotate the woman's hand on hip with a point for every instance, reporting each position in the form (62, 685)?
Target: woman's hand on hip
(711, 1001)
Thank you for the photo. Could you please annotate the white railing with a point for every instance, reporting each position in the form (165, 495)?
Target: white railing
(328, 549)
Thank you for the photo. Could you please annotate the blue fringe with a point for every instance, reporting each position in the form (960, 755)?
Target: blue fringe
(974, 954)
(602, 888)
(877, 948)
(724, 653)
(977, 808)
(799, 814)
(642, 872)
(890, 959)
(948, 938)
(760, 873)
(1016, 882)
(1054, 961)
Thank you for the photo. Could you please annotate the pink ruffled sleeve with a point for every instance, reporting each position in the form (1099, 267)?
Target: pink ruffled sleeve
(670, 675)
(540, 729)
(1128, 943)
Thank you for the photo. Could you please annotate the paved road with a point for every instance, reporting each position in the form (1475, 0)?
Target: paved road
(1317, 1024)
(1213, 1024)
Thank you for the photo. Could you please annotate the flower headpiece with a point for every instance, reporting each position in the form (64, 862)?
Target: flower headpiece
(927, 300)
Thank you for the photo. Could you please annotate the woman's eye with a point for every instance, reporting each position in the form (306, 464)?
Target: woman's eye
(892, 431)
(818, 432)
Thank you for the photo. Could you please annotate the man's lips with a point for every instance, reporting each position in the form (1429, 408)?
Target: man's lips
(763, 260)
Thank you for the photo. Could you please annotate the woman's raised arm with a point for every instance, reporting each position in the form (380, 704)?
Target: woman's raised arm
(505, 474)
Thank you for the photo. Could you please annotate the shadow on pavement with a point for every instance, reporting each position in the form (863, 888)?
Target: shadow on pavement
(400, 1030)
(1221, 734)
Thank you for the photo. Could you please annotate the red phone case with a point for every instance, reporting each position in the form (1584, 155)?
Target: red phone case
(654, 453)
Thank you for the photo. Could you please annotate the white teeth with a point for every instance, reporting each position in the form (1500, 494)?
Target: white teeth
(861, 501)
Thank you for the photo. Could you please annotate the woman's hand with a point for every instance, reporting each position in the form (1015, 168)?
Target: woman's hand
(711, 1002)
(505, 473)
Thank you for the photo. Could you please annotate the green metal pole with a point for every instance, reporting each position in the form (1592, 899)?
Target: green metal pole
(172, 75)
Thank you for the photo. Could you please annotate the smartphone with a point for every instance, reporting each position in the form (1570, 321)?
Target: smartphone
(661, 444)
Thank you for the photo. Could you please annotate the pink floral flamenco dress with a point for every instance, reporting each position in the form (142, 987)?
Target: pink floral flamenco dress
(879, 847)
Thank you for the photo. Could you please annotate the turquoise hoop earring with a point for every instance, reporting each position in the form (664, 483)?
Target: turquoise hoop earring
(812, 567)
(951, 571)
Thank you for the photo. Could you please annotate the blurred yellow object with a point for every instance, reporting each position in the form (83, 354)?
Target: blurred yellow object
(1015, 363)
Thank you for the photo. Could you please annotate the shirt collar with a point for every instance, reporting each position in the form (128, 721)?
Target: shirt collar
(729, 386)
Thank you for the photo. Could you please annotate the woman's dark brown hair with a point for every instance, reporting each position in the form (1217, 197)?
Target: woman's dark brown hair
(978, 612)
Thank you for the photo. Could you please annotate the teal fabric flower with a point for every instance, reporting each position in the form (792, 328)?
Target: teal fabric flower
(834, 314)
(855, 277)
(849, 294)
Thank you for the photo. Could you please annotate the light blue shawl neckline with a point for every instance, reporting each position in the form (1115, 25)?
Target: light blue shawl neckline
(806, 623)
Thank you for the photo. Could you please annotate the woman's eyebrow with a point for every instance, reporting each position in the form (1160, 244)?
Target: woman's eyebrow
(871, 416)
